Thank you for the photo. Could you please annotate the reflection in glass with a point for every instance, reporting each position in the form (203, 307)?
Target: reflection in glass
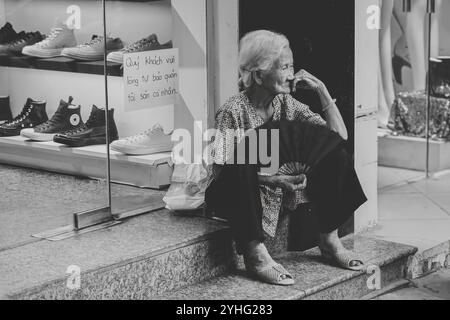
(52, 142)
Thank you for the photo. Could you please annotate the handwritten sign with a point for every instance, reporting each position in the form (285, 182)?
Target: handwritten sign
(150, 78)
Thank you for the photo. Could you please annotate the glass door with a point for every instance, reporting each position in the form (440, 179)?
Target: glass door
(438, 90)
(53, 154)
(409, 48)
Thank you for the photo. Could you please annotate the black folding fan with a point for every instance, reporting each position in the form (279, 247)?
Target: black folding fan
(301, 145)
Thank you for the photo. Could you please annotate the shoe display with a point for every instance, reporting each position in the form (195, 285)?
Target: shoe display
(67, 117)
(92, 132)
(4, 46)
(60, 37)
(32, 115)
(146, 44)
(5, 110)
(151, 141)
(93, 50)
(22, 40)
(7, 33)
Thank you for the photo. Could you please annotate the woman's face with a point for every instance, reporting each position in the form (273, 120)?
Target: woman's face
(277, 80)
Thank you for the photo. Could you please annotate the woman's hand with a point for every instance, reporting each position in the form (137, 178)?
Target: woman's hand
(305, 80)
(291, 183)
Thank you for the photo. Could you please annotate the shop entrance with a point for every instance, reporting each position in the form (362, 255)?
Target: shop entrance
(321, 34)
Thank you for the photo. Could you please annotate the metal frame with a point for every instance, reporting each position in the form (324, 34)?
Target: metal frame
(91, 218)
(431, 9)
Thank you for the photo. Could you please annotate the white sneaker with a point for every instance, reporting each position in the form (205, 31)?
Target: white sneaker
(151, 141)
(93, 50)
(60, 37)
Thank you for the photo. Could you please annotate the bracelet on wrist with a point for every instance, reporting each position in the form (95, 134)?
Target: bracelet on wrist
(328, 106)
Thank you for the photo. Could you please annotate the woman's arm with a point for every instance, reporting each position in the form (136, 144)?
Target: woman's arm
(333, 117)
(331, 112)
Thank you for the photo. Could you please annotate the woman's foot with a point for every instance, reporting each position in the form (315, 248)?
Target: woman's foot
(332, 249)
(260, 265)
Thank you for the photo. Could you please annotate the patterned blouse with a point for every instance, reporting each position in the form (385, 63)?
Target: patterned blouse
(240, 115)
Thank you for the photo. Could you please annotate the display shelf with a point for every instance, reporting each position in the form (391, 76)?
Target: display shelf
(61, 64)
(149, 171)
(410, 153)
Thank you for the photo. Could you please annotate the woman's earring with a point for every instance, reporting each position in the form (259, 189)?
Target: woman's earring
(257, 76)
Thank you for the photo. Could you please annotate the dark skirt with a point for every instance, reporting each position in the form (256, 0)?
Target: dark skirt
(333, 186)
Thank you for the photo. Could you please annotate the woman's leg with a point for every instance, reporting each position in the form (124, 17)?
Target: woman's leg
(234, 195)
(336, 191)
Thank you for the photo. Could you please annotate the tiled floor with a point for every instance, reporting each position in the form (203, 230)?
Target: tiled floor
(34, 201)
(411, 209)
(435, 286)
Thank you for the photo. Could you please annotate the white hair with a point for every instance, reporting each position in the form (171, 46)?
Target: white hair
(258, 51)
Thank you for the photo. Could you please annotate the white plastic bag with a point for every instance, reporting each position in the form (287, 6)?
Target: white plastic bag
(187, 189)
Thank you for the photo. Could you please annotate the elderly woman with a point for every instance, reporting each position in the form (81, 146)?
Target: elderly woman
(252, 200)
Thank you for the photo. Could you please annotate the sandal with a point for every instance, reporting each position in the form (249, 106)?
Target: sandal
(273, 274)
(343, 259)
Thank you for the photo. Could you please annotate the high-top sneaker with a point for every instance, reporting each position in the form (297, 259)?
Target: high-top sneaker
(7, 33)
(93, 50)
(146, 44)
(60, 37)
(5, 110)
(4, 46)
(33, 114)
(25, 39)
(92, 132)
(153, 140)
(67, 117)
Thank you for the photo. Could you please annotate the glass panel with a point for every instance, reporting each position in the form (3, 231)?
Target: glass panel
(403, 99)
(142, 94)
(50, 92)
(439, 89)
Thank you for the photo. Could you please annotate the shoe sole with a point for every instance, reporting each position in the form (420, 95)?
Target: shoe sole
(9, 134)
(41, 137)
(84, 57)
(115, 59)
(48, 53)
(79, 143)
(142, 150)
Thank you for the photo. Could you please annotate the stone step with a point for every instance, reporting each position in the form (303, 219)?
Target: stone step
(139, 258)
(314, 278)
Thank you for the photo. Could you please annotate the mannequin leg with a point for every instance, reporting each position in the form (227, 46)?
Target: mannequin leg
(399, 15)
(383, 108)
(435, 30)
(401, 54)
(386, 62)
(415, 28)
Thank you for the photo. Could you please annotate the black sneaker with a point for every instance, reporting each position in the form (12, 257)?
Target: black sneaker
(67, 117)
(5, 110)
(7, 33)
(33, 114)
(92, 132)
(23, 39)
(4, 46)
